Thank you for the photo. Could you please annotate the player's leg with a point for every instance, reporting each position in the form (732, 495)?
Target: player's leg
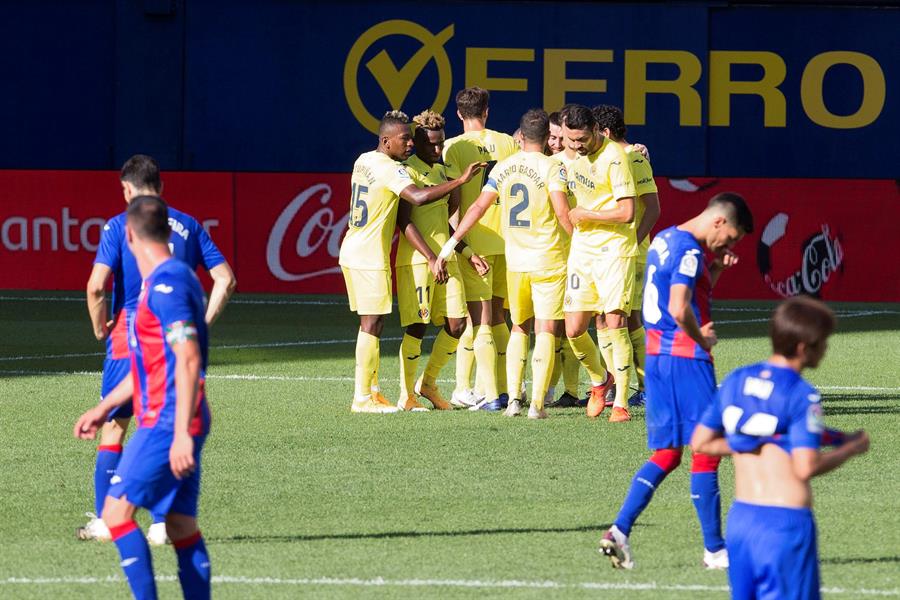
(194, 571)
(605, 346)
(499, 327)
(548, 291)
(478, 294)
(370, 297)
(448, 303)
(521, 310)
(637, 333)
(463, 394)
(415, 286)
(617, 276)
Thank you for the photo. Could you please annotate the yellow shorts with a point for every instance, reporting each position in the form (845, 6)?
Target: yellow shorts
(599, 285)
(422, 301)
(536, 294)
(493, 284)
(637, 294)
(369, 291)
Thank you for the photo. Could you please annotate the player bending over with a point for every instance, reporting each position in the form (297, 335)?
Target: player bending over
(681, 381)
(770, 420)
(378, 183)
(189, 242)
(160, 467)
(421, 301)
(531, 190)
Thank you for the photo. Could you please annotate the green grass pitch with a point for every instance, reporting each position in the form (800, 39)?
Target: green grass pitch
(302, 498)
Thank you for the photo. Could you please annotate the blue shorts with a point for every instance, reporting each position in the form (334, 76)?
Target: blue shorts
(772, 553)
(114, 371)
(678, 392)
(145, 478)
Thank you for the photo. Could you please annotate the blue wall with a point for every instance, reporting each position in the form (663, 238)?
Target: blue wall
(260, 86)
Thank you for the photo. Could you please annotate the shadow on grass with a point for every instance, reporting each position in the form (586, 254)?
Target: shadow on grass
(402, 534)
(867, 560)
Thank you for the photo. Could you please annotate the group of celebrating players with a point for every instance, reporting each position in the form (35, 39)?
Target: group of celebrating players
(556, 230)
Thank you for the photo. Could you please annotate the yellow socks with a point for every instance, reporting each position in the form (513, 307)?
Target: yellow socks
(444, 347)
(557, 364)
(465, 359)
(516, 357)
(621, 353)
(639, 344)
(486, 358)
(410, 350)
(501, 341)
(606, 349)
(586, 352)
(571, 368)
(366, 363)
(541, 367)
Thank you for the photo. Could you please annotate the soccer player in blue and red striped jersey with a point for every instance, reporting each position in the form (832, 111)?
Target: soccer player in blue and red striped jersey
(160, 467)
(769, 419)
(188, 242)
(680, 378)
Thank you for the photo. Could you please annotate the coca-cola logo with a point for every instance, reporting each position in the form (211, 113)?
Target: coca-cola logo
(321, 231)
(821, 256)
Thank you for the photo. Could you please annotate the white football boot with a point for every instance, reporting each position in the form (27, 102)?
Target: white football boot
(715, 560)
(95, 529)
(157, 535)
(534, 413)
(513, 408)
(615, 545)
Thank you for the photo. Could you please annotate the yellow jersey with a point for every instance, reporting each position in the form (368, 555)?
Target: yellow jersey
(461, 151)
(599, 180)
(644, 184)
(567, 162)
(432, 220)
(376, 183)
(523, 183)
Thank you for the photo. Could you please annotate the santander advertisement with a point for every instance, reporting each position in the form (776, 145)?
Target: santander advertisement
(282, 231)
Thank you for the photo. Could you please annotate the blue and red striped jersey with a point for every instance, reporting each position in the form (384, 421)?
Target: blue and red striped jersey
(675, 257)
(170, 307)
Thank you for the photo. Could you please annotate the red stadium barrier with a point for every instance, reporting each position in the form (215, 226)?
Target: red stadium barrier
(282, 231)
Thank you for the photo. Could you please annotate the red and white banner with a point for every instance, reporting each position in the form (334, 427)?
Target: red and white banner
(282, 231)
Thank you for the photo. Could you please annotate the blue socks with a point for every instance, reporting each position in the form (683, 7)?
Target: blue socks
(642, 487)
(136, 560)
(107, 461)
(194, 571)
(707, 502)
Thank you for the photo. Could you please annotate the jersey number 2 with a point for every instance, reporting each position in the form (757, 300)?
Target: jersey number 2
(358, 203)
(518, 189)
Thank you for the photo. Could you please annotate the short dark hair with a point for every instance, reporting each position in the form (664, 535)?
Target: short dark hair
(142, 172)
(148, 217)
(555, 119)
(472, 102)
(580, 117)
(612, 118)
(535, 125)
(736, 207)
(797, 320)
(391, 118)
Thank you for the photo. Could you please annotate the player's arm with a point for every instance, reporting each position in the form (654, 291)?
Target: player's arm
(418, 196)
(560, 204)
(87, 424)
(809, 462)
(96, 300)
(182, 339)
(725, 260)
(622, 213)
(680, 295)
(472, 216)
(224, 283)
(650, 217)
(709, 441)
(412, 235)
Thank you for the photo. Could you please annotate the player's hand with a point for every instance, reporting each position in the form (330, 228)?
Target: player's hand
(471, 170)
(87, 424)
(725, 260)
(481, 266)
(439, 270)
(104, 330)
(576, 216)
(181, 456)
(858, 441)
(642, 149)
(709, 335)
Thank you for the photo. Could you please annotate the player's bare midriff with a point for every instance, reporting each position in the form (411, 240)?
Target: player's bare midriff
(766, 477)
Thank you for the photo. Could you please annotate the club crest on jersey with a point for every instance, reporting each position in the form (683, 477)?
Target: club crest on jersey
(163, 288)
(689, 264)
(423, 313)
(814, 421)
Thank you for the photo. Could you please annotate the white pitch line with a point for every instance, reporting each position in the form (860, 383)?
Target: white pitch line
(457, 583)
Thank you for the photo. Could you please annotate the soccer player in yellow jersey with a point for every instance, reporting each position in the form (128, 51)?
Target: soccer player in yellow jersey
(602, 256)
(378, 183)
(484, 293)
(611, 122)
(531, 190)
(421, 300)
